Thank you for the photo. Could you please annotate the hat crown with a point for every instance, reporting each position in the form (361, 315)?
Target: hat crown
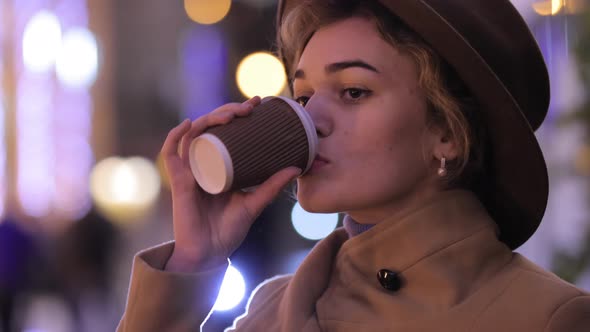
(498, 33)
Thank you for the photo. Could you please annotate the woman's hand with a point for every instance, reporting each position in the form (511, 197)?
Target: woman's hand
(209, 228)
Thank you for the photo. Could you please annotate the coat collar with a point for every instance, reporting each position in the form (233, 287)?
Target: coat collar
(442, 250)
(398, 244)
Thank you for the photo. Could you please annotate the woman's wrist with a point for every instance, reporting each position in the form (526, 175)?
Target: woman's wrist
(184, 264)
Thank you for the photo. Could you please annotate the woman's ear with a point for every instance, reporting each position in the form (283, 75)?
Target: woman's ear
(445, 146)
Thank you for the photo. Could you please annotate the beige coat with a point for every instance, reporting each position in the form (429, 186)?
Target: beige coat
(457, 277)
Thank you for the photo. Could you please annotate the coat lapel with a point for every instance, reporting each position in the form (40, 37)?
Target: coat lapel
(297, 308)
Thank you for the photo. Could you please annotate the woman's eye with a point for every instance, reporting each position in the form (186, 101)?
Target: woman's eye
(353, 94)
(302, 100)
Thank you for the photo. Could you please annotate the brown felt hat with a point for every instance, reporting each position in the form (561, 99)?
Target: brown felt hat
(492, 50)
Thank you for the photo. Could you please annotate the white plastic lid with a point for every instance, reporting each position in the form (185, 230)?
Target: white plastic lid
(211, 164)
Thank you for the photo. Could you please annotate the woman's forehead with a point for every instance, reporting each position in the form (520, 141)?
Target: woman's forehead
(353, 39)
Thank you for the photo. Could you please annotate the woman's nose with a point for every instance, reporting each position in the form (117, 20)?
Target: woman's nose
(319, 112)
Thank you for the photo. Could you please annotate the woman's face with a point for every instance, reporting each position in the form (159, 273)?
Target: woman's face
(370, 114)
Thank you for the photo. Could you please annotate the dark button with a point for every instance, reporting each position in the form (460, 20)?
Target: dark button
(390, 280)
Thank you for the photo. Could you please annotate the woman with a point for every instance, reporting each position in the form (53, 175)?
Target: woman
(425, 111)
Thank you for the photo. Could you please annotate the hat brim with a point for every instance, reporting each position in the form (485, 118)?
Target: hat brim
(516, 191)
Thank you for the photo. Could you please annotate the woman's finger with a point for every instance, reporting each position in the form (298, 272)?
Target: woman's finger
(223, 115)
(197, 128)
(185, 146)
(238, 109)
(220, 116)
(170, 147)
(257, 200)
(214, 118)
(232, 108)
(254, 101)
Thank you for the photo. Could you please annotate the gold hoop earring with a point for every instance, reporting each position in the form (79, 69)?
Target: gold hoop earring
(442, 170)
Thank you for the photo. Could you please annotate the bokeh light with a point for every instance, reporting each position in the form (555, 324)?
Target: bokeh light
(77, 59)
(125, 189)
(73, 166)
(46, 313)
(71, 12)
(261, 74)
(2, 157)
(233, 289)
(35, 145)
(207, 11)
(204, 67)
(41, 41)
(548, 7)
(313, 226)
(72, 121)
(3, 151)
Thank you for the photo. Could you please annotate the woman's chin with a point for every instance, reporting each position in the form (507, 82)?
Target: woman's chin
(317, 197)
(316, 205)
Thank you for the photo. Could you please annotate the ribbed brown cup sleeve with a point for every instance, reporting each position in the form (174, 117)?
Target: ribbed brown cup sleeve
(271, 138)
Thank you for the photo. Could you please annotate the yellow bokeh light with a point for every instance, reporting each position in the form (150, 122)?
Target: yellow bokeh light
(125, 190)
(124, 184)
(261, 74)
(548, 7)
(207, 11)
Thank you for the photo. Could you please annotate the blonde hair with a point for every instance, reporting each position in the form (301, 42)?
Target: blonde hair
(450, 104)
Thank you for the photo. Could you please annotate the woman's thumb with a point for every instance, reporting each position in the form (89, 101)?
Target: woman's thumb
(269, 189)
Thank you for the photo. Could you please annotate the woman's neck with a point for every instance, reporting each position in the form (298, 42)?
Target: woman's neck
(395, 208)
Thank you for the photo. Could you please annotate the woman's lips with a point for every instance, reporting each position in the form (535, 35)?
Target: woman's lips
(319, 163)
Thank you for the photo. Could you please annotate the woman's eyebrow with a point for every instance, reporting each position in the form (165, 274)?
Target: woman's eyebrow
(339, 66)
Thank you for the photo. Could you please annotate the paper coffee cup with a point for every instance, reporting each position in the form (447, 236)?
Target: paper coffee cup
(277, 134)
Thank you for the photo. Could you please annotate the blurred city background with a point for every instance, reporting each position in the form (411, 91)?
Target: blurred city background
(90, 88)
